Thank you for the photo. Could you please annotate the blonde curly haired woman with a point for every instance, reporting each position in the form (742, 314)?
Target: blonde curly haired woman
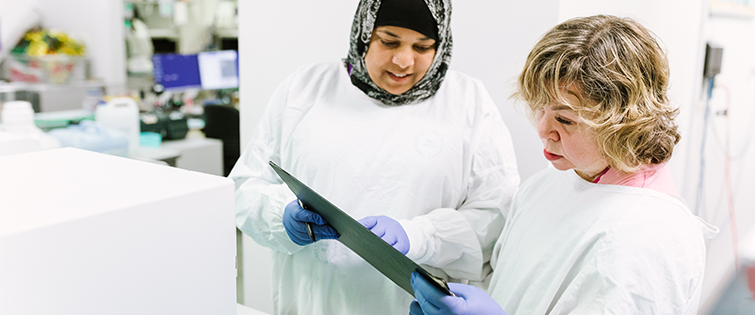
(604, 231)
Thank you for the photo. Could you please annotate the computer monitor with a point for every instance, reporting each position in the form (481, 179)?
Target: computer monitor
(176, 72)
(219, 69)
(207, 70)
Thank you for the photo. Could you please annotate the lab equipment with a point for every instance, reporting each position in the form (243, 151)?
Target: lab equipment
(150, 139)
(206, 70)
(90, 135)
(47, 56)
(296, 220)
(468, 300)
(140, 48)
(18, 119)
(176, 72)
(389, 230)
(121, 114)
(222, 122)
(356, 237)
(219, 69)
(86, 233)
(170, 125)
(15, 144)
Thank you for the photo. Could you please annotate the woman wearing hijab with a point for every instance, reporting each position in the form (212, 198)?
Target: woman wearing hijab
(418, 152)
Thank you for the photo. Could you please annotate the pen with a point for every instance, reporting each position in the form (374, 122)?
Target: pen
(309, 225)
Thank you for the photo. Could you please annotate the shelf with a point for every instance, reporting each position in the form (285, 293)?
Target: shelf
(227, 33)
(163, 33)
(25, 86)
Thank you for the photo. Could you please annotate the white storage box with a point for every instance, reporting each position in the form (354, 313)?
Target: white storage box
(87, 233)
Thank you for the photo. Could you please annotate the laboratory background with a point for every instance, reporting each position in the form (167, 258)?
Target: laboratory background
(171, 91)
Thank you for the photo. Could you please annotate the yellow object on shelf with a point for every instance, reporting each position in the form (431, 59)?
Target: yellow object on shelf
(46, 56)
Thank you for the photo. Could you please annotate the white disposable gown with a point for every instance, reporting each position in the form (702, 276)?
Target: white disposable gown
(444, 168)
(574, 247)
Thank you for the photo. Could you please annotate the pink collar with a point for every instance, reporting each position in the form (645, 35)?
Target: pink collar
(597, 179)
(653, 176)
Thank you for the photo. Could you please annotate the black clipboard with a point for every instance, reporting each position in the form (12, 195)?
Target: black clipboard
(386, 259)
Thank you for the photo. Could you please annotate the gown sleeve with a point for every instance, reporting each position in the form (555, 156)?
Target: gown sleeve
(460, 241)
(260, 196)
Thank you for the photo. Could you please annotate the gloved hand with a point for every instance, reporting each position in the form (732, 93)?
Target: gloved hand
(468, 300)
(389, 230)
(295, 221)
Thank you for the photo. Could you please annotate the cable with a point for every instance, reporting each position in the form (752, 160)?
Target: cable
(750, 128)
(730, 197)
(726, 149)
(699, 197)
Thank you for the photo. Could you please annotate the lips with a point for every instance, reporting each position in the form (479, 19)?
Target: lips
(398, 77)
(550, 156)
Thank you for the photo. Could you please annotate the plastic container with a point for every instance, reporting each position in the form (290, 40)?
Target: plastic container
(54, 69)
(89, 135)
(18, 119)
(121, 114)
(150, 139)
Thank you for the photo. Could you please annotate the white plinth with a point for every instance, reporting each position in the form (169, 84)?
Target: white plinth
(88, 233)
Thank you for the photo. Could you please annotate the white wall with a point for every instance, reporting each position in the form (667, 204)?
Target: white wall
(735, 90)
(491, 41)
(15, 18)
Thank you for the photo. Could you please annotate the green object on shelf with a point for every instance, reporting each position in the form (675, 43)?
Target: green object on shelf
(61, 119)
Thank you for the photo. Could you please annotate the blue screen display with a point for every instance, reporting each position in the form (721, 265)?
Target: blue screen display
(176, 72)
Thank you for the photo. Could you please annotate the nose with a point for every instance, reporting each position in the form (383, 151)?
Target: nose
(545, 128)
(404, 58)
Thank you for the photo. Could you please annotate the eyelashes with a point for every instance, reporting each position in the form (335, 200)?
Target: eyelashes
(564, 121)
(423, 49)
(419, 49)
(389, 44)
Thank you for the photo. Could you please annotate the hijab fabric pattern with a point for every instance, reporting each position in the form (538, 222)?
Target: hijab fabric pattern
(361, 32)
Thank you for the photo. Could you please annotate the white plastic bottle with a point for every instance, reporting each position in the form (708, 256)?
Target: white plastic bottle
(18, 119)
(121, 114)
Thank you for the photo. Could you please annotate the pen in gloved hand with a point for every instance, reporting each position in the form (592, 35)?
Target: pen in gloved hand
(309, 225)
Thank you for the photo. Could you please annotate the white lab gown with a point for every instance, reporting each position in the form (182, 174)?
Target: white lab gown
(573, 247)
(444, 168)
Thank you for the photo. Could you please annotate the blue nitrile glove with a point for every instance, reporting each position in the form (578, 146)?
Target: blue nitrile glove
(389, 230)
(468, 300)
(295, 221)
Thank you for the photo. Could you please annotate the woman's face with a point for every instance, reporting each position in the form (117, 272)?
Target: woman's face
(398, 58)
(569, 144)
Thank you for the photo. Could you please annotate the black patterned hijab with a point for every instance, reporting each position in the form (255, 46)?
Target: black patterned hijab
(361, 32)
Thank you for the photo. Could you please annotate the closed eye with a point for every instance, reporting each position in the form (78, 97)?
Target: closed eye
(389, 44)
(564, 121)
(423, 49)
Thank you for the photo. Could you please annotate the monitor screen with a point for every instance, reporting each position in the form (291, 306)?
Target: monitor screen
(219, 69)
(176, 72)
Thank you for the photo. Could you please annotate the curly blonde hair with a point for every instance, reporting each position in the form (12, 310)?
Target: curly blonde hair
(622, 73)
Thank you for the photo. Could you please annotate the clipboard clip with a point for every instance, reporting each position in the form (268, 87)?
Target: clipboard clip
(438, 282)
